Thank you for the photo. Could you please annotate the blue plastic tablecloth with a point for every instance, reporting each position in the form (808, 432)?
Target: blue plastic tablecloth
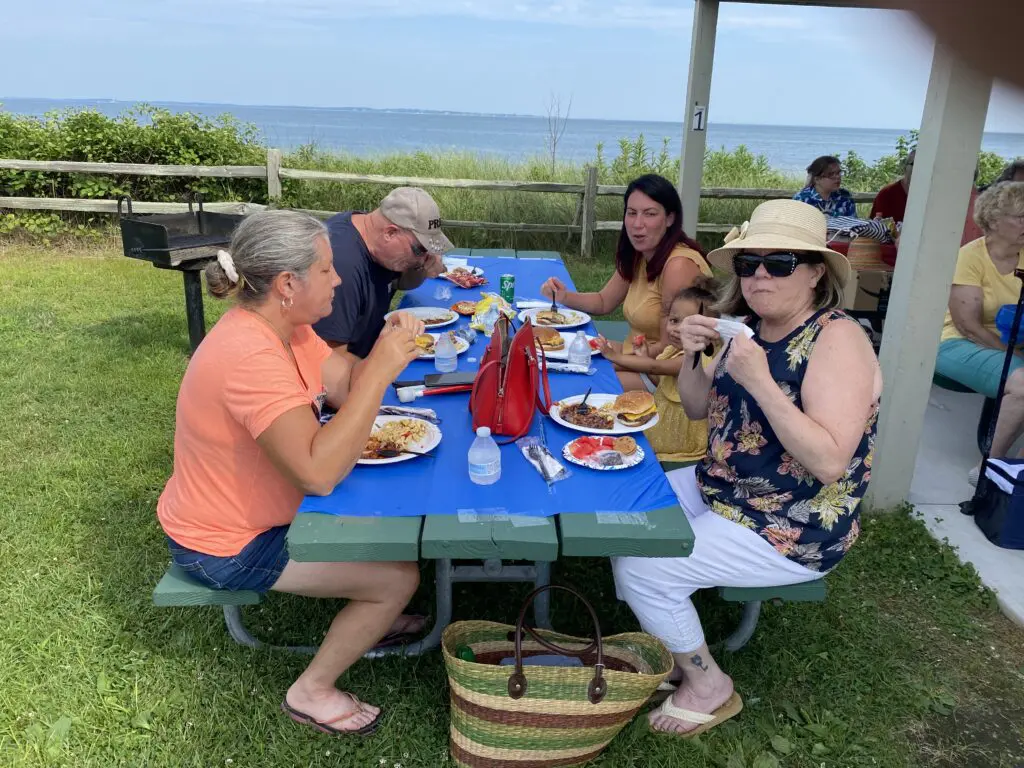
(441, 485)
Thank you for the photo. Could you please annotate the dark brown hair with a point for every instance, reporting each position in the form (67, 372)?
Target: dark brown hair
(661, 191)
(820, 165)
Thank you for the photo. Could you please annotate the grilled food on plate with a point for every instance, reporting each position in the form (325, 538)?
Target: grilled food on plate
(548, 338)
(426, 343)
(635, 408)
(586, 416)
(464, 308)
(551, 317)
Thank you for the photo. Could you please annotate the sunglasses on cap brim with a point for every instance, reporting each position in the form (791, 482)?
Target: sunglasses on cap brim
(776, 264)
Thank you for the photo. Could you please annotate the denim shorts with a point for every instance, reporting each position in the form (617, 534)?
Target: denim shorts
(256, 568)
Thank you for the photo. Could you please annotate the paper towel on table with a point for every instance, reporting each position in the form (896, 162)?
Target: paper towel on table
(451, 262)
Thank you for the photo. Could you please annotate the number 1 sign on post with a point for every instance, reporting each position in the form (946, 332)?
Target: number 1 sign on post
(700, 113)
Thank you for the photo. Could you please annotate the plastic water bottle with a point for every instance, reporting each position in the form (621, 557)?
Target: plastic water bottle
(484, 458)
(446, 357)
(579, 350)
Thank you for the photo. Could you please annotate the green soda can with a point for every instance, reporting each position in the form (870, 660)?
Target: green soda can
(508, 288)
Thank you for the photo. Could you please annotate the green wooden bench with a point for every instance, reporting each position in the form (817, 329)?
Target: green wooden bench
(988, 409)
(176, 589)
(613, 330)
(752, 597)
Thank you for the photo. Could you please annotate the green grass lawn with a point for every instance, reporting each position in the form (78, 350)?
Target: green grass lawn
(908, 662)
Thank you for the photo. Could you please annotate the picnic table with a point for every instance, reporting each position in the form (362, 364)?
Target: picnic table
(427, 508)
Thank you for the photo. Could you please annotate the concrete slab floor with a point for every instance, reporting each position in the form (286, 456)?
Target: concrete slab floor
(947, 452)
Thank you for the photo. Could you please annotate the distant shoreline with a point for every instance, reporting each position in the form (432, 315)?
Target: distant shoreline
(414, 111)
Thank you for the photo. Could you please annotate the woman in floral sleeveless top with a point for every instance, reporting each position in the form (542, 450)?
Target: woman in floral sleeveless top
(791, 403)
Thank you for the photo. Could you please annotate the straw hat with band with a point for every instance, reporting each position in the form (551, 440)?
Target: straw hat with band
(781, 225)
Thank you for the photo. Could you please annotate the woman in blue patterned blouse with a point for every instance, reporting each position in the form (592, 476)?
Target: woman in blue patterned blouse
(791, 406)
(824, 188)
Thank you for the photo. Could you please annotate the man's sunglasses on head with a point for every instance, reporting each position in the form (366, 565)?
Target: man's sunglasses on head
(777, 264)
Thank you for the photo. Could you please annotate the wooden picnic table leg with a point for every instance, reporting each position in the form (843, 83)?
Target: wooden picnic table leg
(443, 617)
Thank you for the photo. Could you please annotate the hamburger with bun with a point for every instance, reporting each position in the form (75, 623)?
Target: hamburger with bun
(548, 338)
(425, 343)
(635, 408)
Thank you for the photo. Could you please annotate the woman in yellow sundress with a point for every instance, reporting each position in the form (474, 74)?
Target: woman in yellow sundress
(654, 260)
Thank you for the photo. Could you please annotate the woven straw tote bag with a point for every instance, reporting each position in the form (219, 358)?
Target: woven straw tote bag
(538, 716)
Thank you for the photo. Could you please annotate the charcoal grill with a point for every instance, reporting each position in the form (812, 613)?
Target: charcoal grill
(186, 242)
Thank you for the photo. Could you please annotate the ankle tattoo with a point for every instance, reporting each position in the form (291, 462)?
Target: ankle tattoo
(698, 662)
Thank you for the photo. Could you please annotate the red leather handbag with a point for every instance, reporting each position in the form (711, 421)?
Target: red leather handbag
(512, 382)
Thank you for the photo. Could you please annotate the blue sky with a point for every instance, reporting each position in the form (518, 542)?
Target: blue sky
(617, 59)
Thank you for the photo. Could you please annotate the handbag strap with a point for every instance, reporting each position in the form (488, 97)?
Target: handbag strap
(517, 681)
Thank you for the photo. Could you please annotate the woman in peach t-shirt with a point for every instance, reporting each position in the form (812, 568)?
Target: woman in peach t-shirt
(248, 445)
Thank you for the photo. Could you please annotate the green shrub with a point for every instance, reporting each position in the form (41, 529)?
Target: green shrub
(150, 135)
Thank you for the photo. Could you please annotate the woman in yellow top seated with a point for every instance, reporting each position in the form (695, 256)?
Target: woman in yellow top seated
(972, 351)
(654, 260)
(675, 437)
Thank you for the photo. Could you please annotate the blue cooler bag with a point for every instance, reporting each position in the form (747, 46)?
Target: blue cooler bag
(998, 507)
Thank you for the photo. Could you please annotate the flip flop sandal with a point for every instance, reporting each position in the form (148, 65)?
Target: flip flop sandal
(327, 726)
(402, 637)
(731, 708)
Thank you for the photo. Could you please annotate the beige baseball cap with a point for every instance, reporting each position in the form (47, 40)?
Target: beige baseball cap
(413, 209)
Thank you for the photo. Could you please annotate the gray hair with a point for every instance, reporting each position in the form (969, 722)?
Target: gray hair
(263, 246)
(828, 294)
(998, 201)
(1017, 166)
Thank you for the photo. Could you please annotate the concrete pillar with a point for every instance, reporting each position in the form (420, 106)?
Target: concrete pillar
(951, 130)
(698, 93)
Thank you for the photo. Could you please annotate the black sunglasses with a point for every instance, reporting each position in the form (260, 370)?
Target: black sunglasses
(417, 248)
(777, 264)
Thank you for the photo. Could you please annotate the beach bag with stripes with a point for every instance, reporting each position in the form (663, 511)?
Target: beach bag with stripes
(539, 716)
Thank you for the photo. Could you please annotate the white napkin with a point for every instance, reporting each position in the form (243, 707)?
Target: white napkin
(532, 304)
(451, 262)
(729, 329)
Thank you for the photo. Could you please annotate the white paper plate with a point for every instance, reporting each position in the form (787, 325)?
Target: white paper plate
(597, 400)
(430, 441)
(590, 463)
(563, 353)
(461, 345)
(424, 313)
(576, 318)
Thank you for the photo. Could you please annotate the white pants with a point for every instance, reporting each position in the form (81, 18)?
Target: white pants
(725, 554)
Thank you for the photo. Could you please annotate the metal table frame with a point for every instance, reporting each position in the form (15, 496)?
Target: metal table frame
(445, 575)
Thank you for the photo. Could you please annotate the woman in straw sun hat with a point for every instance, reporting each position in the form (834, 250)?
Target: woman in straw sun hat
(791, 403)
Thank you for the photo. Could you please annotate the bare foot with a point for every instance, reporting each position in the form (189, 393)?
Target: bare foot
(686, 698)
(327, 706)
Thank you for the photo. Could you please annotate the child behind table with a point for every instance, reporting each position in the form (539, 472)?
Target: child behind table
(675, 437)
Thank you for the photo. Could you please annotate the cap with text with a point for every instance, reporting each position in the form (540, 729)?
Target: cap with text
(413, 209)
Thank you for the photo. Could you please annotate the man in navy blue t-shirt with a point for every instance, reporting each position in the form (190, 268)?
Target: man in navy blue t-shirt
(399, 244)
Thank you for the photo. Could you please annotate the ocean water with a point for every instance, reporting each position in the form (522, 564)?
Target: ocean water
(372, 132)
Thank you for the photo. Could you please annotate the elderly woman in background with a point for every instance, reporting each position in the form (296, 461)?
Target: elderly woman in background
(824, 188)
(971, 351)
(791, 416)
(248, 444)
(654, 261)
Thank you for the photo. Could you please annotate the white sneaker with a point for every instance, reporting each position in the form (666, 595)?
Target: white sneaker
(972, 476)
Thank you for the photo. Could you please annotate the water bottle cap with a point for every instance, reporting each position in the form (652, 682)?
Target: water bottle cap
(483, 431)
